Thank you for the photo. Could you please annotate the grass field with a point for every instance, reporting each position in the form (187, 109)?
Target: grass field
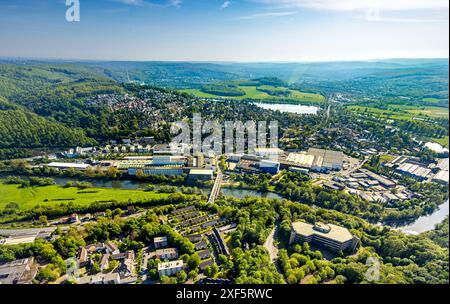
(53, 195)
(404, 112)
(444, 141)
(252, 92)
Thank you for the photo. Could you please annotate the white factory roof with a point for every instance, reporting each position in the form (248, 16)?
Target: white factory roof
(441, 176)
(443, 164)
(435, 147)
(201, 172)
(68, 165)
(414, 169)
(268, 151)
(268, 163)
(302, 159)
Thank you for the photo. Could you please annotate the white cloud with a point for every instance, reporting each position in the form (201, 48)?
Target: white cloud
(266, 15)
(354, 5)
(225, 5)
(176, 3)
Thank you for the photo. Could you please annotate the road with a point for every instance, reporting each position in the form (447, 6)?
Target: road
(270, 246)
(9, 232)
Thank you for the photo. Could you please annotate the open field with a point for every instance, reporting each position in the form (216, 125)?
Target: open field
(434, 112)
(53, 195)
(260, 92)
(444, 141)
(403, 112)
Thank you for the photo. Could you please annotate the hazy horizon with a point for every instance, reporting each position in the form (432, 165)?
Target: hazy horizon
(10, 58)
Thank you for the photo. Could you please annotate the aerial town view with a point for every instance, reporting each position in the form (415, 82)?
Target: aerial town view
(221, 142)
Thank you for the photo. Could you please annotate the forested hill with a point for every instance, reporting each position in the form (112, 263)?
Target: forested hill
(21, 129)
(42, 106)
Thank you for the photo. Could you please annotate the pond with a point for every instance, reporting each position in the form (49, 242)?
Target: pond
(288, 108)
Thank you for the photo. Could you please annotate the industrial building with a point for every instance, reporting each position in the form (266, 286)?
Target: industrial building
(414, 170)
(318, 160)
(200, 175)
(268, 153)
(20, 271)
(441, 177)
(388, 183)
(65, 166)
(268, 166)
(331, 160)
(329, 236)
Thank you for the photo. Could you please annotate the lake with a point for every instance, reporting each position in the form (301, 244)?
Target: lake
(288, 108)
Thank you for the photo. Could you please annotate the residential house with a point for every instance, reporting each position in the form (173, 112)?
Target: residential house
(160, 242)
(111, 248)
(167, 254)
(104, 262)
(170, 268)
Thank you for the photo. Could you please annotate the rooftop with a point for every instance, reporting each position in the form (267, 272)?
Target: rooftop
(166, 250)
(329, 231)
(160, 239)
(68, 165)
(201, 172)
(172, 264)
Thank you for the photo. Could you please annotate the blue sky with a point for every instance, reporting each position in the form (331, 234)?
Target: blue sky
(218, 30)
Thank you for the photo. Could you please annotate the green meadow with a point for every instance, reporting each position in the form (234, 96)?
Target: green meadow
(260, 92)
(27, 198)
(444, 141)
(403, 112)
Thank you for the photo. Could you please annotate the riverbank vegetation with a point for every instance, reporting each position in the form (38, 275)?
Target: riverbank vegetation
(298, 187)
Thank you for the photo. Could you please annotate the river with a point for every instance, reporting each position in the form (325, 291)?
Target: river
(99, 183)
(426, 223)
(288, 108)
(241, 193)
(422, 224)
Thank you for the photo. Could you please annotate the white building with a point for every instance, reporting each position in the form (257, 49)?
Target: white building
(170, 268)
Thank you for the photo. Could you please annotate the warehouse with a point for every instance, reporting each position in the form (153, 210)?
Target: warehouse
(200, 175)
(414, 171)
(269, 166)
(68, 166)
(331, 160)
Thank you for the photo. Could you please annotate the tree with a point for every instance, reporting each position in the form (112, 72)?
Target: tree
(181, 277)
(48, 273)
(193, 274)
(140, 174)
(117, 212)
(113, 172)
(43, 220)
(194, 261)
(214, 269)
